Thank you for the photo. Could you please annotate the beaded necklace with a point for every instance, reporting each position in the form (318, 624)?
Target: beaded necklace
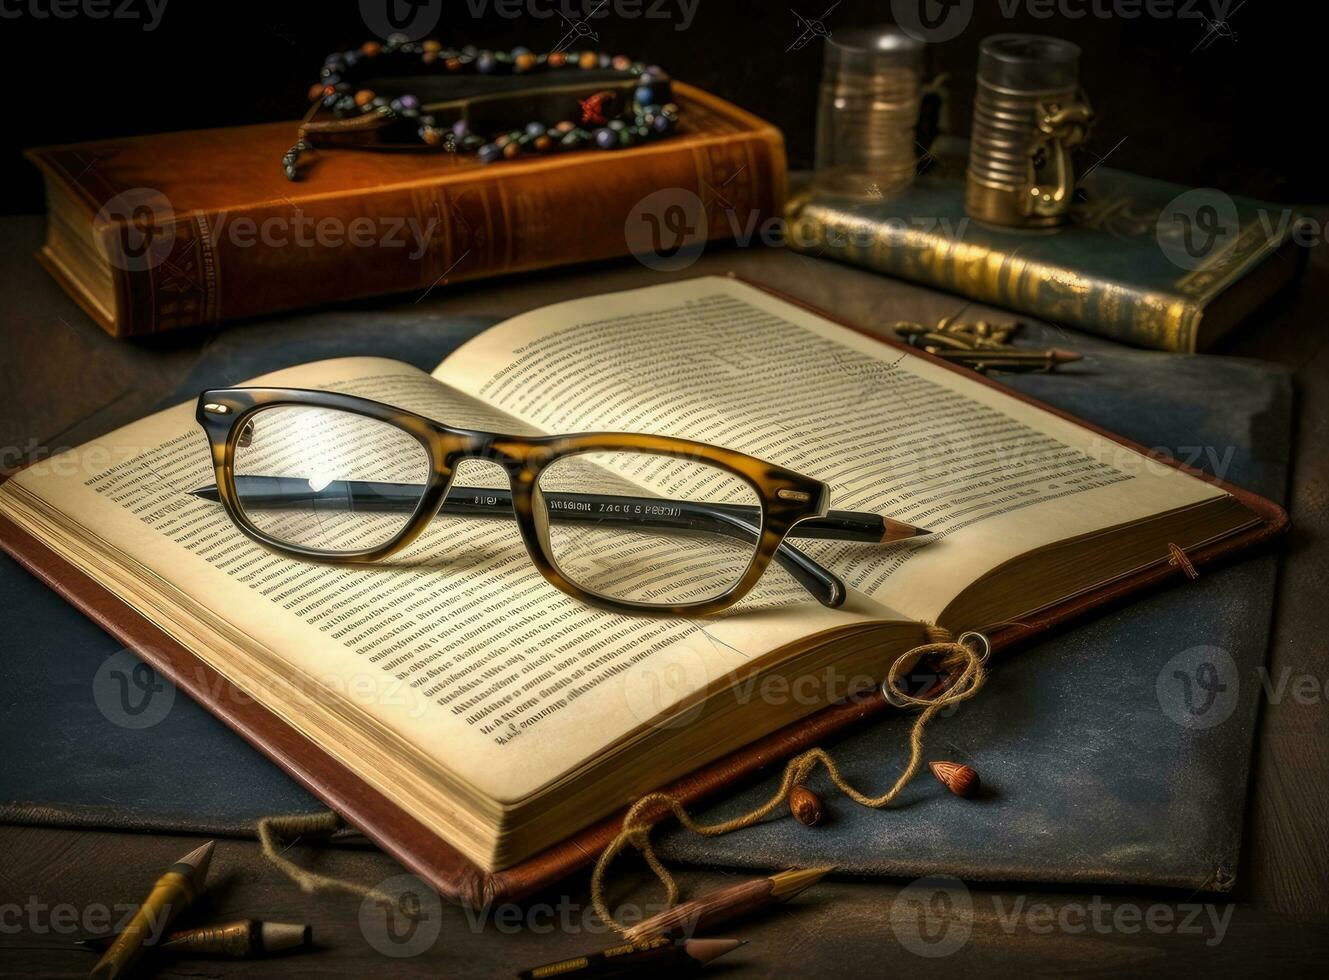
(602, 119)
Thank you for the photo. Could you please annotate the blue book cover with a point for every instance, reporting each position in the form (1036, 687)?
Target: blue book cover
(1142, 261)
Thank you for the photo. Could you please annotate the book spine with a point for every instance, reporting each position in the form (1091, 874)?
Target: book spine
(939, 257)
(417, 239)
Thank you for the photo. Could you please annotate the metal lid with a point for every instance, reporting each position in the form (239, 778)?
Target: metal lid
(1028, 62)
(867, 50)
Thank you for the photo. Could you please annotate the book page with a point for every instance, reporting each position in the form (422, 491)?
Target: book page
(457, 648)
(716, 360)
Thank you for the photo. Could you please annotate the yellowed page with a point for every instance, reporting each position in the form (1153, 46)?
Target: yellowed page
(457, 650)
(720, 361)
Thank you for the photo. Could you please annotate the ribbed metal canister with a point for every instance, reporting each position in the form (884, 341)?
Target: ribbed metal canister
(1019, 76)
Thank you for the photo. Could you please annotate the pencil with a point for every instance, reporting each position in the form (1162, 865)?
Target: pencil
(170, 895)
(243, 939)
(726, 904)
(658, 957)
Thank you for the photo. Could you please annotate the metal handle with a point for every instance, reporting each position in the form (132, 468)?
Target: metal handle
(1060, 128)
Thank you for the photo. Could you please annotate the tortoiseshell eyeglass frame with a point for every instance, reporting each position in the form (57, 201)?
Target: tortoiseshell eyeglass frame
(786, 498)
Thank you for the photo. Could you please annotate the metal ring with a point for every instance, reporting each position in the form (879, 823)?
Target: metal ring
(888, 692)
(895, 697)
(984, 644)
(899, 699)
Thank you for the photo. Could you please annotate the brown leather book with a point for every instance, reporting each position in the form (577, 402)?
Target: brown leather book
(175, 230)
(524, 721)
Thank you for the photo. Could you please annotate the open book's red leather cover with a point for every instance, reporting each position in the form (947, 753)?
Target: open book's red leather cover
(432, 858)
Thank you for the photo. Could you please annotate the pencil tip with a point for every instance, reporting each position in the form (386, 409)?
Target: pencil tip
(200, 859)
(705, 950)
(899, 531)
(787, 884)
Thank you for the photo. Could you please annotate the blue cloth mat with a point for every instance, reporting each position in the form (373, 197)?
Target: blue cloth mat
(1095, 765)
(1114, 752)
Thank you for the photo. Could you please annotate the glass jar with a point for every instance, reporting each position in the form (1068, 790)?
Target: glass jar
(867, 113)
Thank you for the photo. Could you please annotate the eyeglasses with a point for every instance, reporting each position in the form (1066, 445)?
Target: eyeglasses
(632, 522)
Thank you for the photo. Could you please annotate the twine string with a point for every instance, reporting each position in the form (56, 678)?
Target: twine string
(277, 833)
(961, 662)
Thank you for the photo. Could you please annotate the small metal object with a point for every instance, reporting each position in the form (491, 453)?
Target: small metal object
(216, 408)
(898, 698)
(1013, 359)
(890, 696)
(796, 495)
(972, 638)
(981, 345)
(1028, 116)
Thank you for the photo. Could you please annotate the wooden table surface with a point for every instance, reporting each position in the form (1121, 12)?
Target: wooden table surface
(62, 381)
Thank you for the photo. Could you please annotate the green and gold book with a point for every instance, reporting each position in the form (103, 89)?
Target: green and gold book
(1143, 261)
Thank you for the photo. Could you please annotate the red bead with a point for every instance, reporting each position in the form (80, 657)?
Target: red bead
(566, 126)
(956, 777)
(622, 62)
(805, 806)
(453, 64)
(370, 49)
(596, 109)
(525, 62)
(364, 97)
(556, 59)
(429, 57)
(432, 137)
(318, 91)
(542, 143)
(512, 149)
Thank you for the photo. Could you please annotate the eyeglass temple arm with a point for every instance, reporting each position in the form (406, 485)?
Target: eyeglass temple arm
(824, 585)
(732, 520)
(282, 491)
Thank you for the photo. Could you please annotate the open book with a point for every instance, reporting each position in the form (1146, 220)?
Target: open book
(502, 715)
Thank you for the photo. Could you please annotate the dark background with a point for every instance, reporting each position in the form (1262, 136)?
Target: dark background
(1243, 113)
